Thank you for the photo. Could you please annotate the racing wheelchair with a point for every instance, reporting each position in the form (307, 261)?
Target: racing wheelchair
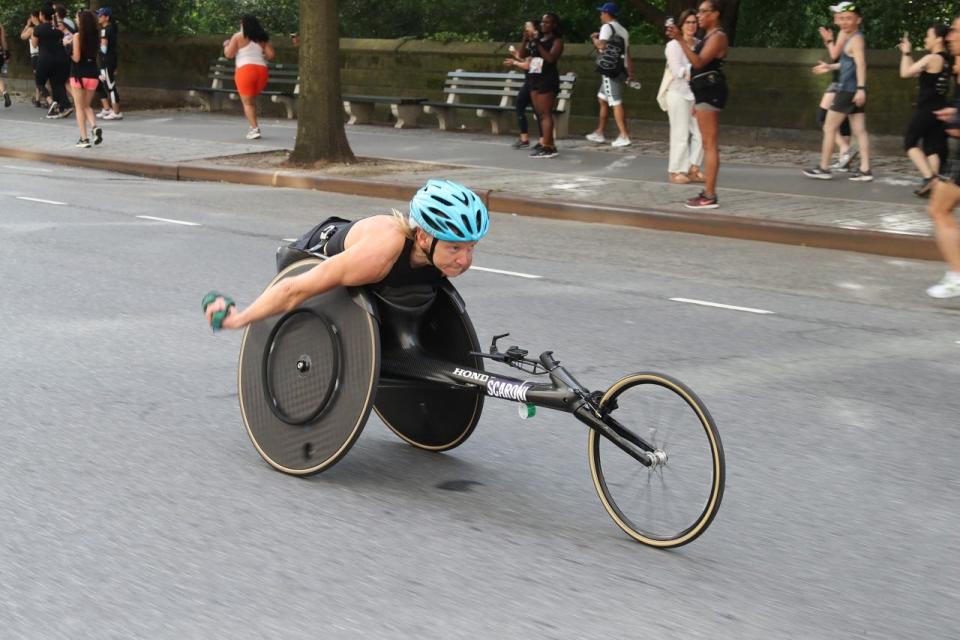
(309, 378)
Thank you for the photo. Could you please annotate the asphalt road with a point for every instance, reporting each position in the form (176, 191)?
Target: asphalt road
(134, 506)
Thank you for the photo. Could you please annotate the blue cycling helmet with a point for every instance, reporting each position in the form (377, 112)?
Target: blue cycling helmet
(449, 211)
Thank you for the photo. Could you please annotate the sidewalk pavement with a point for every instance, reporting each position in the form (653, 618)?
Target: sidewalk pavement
(763, 195)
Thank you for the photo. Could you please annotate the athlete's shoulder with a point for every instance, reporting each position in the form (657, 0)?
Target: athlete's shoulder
(383, 230)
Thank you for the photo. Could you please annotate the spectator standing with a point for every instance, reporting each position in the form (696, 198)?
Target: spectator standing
(933, 71)
(53, 65)
(107, 60)
(4, 58)
(616, 38)
(41, 97)
(945, 195)
(709, 86)
(834, 44)
(251, 47)
(686, 146)
(545, 80)
(528, 49)
(851, 97)
(85, 76)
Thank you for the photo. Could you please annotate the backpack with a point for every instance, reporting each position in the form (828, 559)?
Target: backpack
(610, 60)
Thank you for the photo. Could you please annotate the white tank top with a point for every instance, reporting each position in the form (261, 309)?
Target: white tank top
(251, 54)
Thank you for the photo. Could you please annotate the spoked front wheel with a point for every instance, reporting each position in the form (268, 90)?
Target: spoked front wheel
(672, 501)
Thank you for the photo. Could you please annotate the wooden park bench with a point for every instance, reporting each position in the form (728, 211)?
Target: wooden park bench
(493, 96)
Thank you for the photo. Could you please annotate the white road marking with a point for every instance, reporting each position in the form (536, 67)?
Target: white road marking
(723, 306)
(507, 273)
(189, 224)
(852, 286)
(10, 166)
(289, 239)
(158, 120)
(40, 200)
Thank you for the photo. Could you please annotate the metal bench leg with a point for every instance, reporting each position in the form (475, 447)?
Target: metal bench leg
(359, 112)
(406, 115)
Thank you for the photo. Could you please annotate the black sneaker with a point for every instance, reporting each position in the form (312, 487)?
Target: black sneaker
(537, 147)
(544, 152)
(97, 135)
(702, 201)
(52, 111)
(521, 144)
(83, 143)
(6, 100)
(861, 176)
(65, 112)
(818, 173)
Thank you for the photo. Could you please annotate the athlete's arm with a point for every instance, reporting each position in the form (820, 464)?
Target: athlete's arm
(230, 46)
(554, 53)
(857, 53)
(716, 47)
(75, 54)
(366, 261)
(268, 51)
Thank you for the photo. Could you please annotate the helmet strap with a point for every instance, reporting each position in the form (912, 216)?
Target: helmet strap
(433, 246)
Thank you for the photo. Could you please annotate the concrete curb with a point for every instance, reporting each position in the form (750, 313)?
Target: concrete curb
(819, 236)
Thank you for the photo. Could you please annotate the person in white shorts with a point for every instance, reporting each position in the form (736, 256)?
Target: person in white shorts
(610, 95)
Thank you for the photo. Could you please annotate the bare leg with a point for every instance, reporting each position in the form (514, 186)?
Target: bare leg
(543, 103)
(621, 120)
(858, 123)
(78, 111)
(944, 198)
(709, 123)
(934, 163)
(250, 109)
(830, 128)
(921, 162)
(602, 120)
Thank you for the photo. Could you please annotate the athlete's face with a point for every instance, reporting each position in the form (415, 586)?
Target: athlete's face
(849, 21)
(451, 258)
(931, 41)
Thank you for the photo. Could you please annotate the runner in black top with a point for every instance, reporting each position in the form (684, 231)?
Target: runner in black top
(933, 70)
(84, 76)
(53, 65)
(545, 80)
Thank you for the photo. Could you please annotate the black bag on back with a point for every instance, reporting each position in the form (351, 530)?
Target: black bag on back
(610, 60)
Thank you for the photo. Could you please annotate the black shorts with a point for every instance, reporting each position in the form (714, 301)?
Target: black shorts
(843, 103)
(545, 83)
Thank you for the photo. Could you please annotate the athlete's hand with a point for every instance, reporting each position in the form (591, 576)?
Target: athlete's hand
(905, 46)
(946, 115)
(860, 98)
(220, 311)
(673, 32)
(826, 34)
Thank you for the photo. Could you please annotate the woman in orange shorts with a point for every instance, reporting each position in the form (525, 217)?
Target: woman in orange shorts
(251, 47)
(85, 76)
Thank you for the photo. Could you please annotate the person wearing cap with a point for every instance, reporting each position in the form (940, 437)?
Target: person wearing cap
(851, 97)
(4, 57)
(433, 242)
(610, 95)
(834, 44)
(107, 59)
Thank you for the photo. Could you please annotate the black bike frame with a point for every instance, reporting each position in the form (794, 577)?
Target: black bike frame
(563, 393)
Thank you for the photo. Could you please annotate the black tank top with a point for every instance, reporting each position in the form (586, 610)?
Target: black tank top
(932, 92)
(714, 65)
(401, 274)
(549, 68)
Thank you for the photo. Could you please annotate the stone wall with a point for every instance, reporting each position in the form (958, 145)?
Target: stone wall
(770, 89)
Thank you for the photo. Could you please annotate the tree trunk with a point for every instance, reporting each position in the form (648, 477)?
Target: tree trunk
(320, 132)
(657, 16)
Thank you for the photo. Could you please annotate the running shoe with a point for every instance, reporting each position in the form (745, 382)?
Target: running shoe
(593, 136)
(948, 287)
(253, 134)
(52, 111)
(113, 116)
(861, 176)
(621, 141)
(925, 188)
(521, 144)
(537, 147)
(35, 102)
(844, 160)
(103, 113)
(818, 173)
(544, 152)
(97, 135)
(702, 202)
(83, 143)
(6, 100)
(65, 112)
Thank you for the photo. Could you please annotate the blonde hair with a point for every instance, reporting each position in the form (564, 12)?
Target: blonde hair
(406, 224)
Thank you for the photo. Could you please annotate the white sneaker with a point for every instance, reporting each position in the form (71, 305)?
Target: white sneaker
(253, 134)
(103, 113)
(949, 287)
(593, 136)
(620, 142)
(113, 116)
